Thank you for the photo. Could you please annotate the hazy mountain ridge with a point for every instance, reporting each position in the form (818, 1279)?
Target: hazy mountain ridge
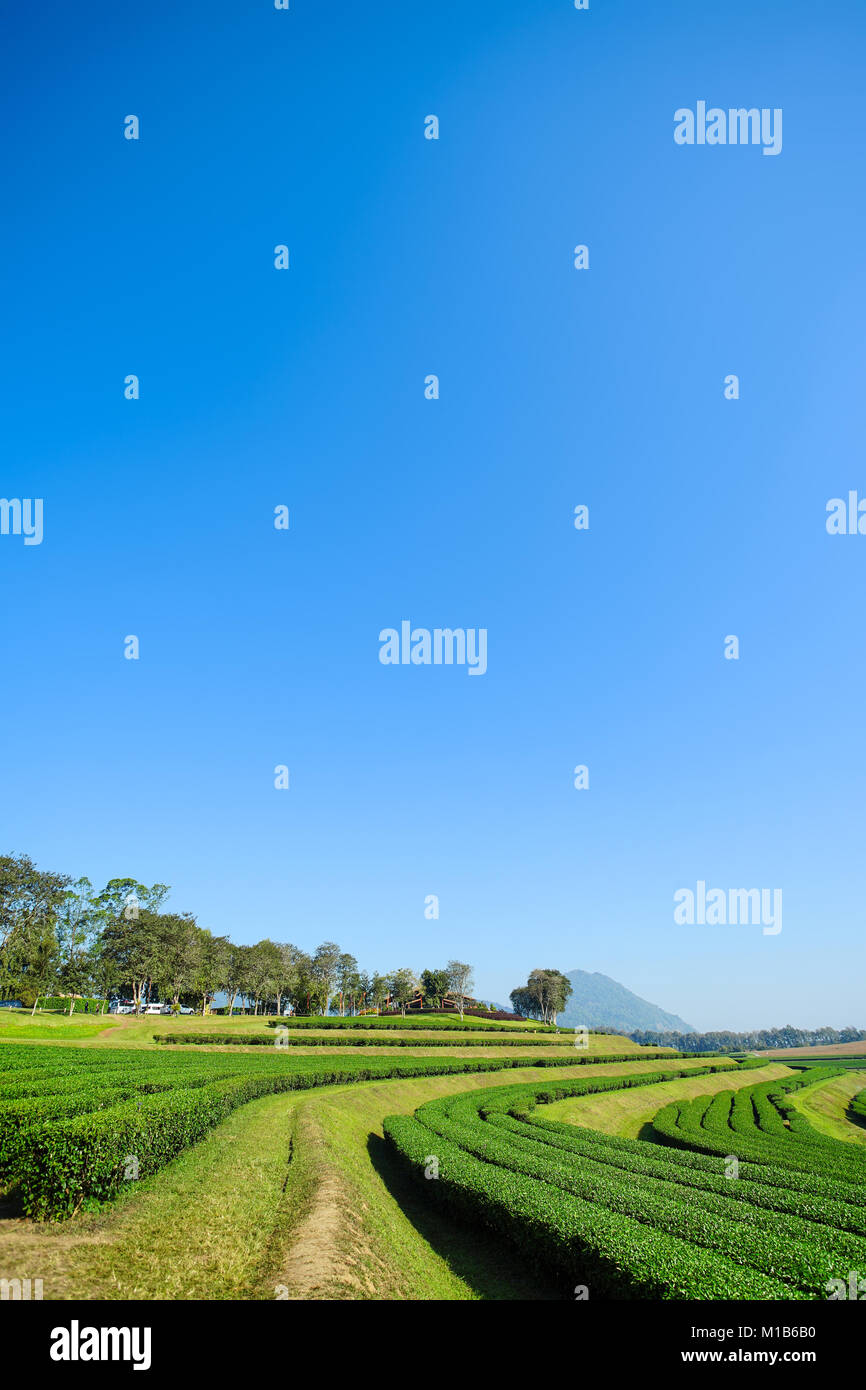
(600, 1002)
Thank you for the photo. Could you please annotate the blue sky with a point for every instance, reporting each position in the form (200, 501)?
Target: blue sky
(558, 387)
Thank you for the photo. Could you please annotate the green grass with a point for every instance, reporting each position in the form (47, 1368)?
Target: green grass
(21, 1027)
(213, 1224)
(825, 1106)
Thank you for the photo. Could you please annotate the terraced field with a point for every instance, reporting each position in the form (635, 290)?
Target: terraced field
(738, 1198)
(418, 1162)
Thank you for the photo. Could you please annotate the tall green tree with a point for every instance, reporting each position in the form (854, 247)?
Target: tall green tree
(287, 973)
(347, 978)
(30, 900)
(326, 963)
(237, 981)
(434, 987)
(403, 985)
(544, 995)
(379, 989)
(130, 951)
(212, 967)
(77, 926)
(179, 944)
(265, 968)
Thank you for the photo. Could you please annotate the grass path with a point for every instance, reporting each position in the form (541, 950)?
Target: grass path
(825, 1106)
(626, 1112)
(293, 1196)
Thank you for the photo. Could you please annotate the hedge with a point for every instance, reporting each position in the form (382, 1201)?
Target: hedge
(564, 1043)
(538, 1182)
(59, 1161)
(432, 1021)
(57, 1004)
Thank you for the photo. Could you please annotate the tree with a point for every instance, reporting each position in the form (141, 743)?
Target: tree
(30, 900)
(434, 987)
(287, 975)
(363, 989)
(130, 951)
(347, 976)
(326, 963)
(544, 995)
(128, 948)
(180, 944)
(460, 981)
(403, 984)
(77, 925)
(525, 1003)
(553, 989)
(237, 974)
(211, 968)
(302, 986)
(265, 966)
(126, 897)
(379, 990)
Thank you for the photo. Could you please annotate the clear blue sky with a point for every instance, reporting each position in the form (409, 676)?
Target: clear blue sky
(558, 387)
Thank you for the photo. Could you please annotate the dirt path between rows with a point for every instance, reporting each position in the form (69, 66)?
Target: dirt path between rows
(328, 1250)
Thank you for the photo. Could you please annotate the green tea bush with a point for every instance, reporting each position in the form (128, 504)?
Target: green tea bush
(771, 1228)
(74, 1117)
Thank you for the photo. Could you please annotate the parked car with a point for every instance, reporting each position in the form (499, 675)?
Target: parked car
(121, 1006)
(153, 1009)
(170, 1009)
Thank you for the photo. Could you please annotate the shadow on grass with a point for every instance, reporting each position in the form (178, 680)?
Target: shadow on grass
(855, 1118)
(489, 1266)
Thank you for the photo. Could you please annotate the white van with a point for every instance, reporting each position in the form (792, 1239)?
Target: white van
(154, 1009)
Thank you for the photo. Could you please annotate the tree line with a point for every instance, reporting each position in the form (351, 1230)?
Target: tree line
(61, 937)
(761, 1040)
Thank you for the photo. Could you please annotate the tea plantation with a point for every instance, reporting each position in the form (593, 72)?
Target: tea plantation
(738, 1197)
(207, 1159)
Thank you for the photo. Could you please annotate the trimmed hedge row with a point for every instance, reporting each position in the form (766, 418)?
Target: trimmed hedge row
(743, 1125)
(483, 1176)
(789, 1247)
(564, 1042)
(433, 1021)
(57, 1004)
(739, 1236)
(61, 1160)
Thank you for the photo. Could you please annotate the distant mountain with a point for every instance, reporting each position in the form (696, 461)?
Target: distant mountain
(600, 1002)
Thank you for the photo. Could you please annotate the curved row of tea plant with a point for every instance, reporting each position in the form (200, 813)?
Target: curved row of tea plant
(72, 1119)
(564, 1041)
(420, 1021)
(762, 1125)
(629, 1218)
